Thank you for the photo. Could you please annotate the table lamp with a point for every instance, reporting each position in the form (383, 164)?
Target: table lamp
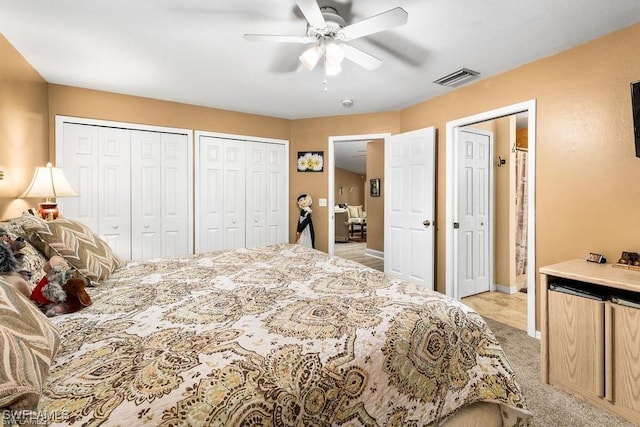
(48, 182)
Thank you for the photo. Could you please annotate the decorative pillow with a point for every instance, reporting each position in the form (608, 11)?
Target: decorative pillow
(355, 211)
(29, 342)
(83, 249)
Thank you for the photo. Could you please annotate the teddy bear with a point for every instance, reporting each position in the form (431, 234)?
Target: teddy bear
(304, 232)
(58, 292)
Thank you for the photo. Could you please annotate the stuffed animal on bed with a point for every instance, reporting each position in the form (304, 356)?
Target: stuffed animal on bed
(58, 292)
(304, 233)
(9, 268)
(15, 245)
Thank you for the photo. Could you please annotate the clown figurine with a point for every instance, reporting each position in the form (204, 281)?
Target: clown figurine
(304, 233)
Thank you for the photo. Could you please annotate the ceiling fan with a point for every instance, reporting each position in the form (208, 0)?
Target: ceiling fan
(328, 32)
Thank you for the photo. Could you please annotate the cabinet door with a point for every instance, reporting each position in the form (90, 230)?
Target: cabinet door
(576, 342)
(626, 356)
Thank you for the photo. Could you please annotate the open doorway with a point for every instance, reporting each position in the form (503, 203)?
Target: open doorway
(452, 204)
(355, 221)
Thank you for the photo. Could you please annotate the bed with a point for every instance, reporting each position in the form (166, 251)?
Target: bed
(280, 335)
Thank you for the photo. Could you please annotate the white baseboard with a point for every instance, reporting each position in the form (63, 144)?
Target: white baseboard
(374, 253)
(510, 290)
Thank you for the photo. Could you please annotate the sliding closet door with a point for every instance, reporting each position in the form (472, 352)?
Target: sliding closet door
(96, 163)
(146, 195)
(265, 198)
(175, 195)
(221, 193)
(159, 195)
(114, 198)
(211, 194)
(80, 163)
(257, 197)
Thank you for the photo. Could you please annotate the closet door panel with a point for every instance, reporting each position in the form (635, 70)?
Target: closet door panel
(175, 197)
(114, 201)
(146, 195)
(256, 195)
(80, 164)
(211, 194)
(276, 202)
(234, 194)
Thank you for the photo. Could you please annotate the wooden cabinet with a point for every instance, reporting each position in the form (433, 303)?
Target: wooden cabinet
(591, 344)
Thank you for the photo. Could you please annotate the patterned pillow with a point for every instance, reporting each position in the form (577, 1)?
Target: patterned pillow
(83, 249)
(29, 342)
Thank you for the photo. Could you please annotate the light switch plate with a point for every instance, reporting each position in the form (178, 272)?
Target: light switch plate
(322, 202)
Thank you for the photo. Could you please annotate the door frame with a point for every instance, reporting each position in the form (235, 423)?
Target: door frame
(451, 143)
(331, 234)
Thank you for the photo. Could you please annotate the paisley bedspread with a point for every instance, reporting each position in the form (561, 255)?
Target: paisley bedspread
(282, 336)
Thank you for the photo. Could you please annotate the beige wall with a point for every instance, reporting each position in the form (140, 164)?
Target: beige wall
(352, 187)
(375, 205)
(313, 135)
(71, 101)
(587, 194)
(586, 167)
(24, 125)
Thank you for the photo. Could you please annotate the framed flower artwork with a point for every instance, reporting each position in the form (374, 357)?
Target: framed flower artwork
(310, 161)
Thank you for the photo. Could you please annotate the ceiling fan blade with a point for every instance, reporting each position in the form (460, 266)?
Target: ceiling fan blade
(360, 57)
(312, 13)
(281, 39)
(389, 19)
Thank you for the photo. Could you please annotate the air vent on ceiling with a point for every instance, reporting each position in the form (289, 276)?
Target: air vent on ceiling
(457, 78)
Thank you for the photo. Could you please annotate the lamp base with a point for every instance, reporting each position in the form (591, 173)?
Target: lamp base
(48, 210)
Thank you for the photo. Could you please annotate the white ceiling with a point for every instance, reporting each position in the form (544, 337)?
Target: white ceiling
(351, 155)
(192, 51)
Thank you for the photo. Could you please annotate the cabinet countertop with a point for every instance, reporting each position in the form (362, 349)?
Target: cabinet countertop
(600, 274)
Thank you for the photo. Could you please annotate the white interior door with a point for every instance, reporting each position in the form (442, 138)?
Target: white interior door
(175, 197)
(211, 194)
(114, 199)
(80, 162)
(265, 194)
(234, 194)
(277, 194)
(409, 206)
(146, 195)
(473, 234)
(257, 195)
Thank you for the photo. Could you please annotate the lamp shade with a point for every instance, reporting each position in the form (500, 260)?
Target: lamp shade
(48, 182)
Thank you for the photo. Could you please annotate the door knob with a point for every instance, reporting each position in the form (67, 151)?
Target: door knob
(115, 227)
(146, 226)
(426, 223)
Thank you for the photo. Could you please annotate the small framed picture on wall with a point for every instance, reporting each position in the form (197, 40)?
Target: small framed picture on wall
(310, 161)
(375, 187)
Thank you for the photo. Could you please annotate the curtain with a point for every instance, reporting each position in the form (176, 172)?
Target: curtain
(521, 212)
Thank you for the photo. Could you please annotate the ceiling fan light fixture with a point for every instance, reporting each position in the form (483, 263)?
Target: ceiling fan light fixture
(311, 56)
(332, 69)
(334, 54)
